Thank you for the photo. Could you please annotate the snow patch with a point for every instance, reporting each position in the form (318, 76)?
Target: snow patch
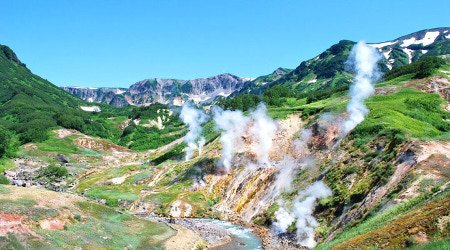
(381, 45)
(91, 109)
(408, 42)
(180, 209)
(224, 94)
(428, 39)
(386, 53)
(312, 80)
(76, 87)
(409, 53)
(118, 180)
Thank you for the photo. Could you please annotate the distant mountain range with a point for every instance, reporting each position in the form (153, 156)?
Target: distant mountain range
(166, 91)
(325, 71)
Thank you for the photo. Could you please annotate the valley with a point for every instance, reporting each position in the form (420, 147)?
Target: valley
(315, 166)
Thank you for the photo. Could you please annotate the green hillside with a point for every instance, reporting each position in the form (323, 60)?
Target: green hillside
(31, 106)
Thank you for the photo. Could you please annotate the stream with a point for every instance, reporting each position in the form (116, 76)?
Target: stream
(221, 235)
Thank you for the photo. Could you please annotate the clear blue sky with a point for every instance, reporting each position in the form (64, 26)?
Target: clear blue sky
(116, 43)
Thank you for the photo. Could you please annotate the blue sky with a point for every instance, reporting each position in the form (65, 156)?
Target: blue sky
(116, 43)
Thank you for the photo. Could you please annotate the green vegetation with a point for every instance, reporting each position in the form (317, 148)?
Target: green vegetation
(423, 67)
(53, 171)
(408, 112)
(147, 135)
(111, 196)
(395, 224)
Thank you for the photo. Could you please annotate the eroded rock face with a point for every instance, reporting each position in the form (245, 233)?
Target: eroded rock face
(180, 209)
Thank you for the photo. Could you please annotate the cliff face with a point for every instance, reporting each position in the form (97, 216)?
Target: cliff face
(167, 91)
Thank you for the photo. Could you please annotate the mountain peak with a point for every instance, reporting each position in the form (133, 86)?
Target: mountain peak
(10, 55)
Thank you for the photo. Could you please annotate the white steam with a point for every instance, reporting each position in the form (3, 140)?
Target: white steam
(232, 125)
(235, 126)
(194, 118)
(262, 131)
(284, 220)
(302, 212)
(363, 59)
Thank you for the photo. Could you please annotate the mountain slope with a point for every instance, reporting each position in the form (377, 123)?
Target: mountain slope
(409, 48)
(327, 70)
(28, 102)
(30, 105)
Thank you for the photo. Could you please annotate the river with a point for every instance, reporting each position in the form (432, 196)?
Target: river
(220, 235)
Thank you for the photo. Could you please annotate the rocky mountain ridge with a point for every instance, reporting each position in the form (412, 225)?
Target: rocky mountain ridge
(165, 91)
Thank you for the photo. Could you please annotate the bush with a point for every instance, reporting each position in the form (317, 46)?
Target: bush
(3, 179)
(53, 171)
(8, 143)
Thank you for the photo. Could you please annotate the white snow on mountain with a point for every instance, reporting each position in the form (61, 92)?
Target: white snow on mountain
(429, 38)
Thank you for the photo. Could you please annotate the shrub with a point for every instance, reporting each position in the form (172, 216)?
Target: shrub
(53, 171)
(3, 179)
(8, 143)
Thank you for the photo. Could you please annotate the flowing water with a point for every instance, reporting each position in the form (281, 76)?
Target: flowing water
(242, 238)
(221, 234)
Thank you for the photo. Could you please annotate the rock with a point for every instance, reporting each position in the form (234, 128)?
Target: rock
(62, 158)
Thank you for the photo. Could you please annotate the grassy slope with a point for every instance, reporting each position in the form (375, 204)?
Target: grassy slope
(412, 211)
(86, 224)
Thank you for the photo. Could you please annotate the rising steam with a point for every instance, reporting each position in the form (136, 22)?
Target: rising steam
(262, 131)
(302, 212)
(363, 60)
(232, 125)
(258, 127)
(194, 118)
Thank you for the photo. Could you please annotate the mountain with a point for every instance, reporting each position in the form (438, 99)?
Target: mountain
(30, 106)
(27, 101)
(260, 81)
(166, 91)
(112, 96)
(409, 48)
(327, 71)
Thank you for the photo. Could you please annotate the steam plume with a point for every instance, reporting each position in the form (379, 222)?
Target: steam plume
(232, 125)
(263, 131)
(363, 59)
(302, 212)
(194, 118)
